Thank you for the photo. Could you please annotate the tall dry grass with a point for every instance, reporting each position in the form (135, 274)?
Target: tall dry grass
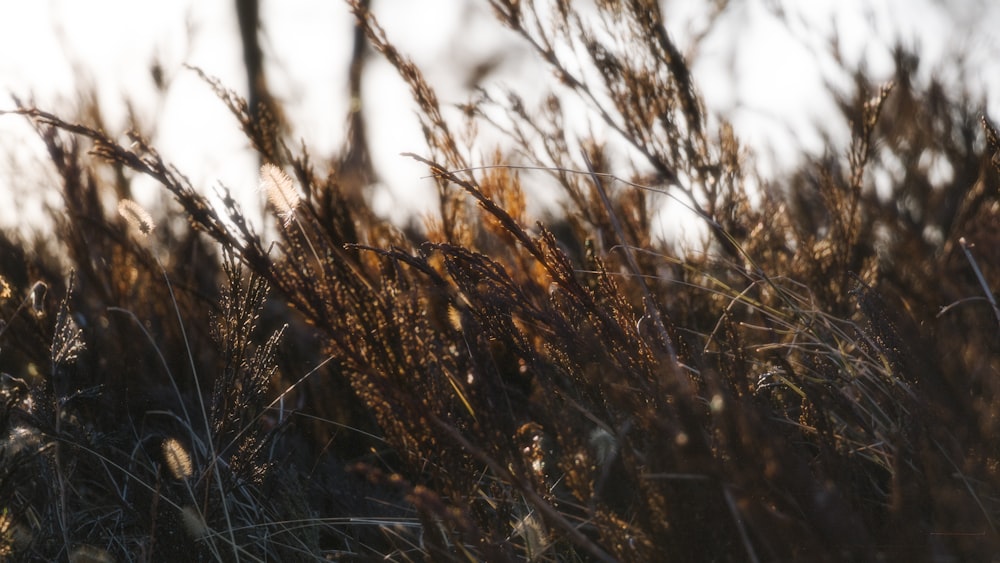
(818, 381)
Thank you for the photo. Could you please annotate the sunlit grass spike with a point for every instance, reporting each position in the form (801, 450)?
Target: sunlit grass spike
(280, 190)
(136, 216)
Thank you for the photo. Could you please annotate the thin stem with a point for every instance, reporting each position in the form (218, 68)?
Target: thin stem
(979, 276)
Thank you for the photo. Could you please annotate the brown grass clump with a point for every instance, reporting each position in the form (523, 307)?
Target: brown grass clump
(818, 381)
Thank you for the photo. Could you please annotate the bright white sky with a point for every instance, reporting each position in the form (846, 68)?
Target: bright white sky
(769, 87)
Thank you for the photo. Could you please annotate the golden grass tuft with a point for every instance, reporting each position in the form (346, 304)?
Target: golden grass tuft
(177, 459)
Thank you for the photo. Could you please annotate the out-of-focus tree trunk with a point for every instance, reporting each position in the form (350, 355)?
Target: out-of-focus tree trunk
(355, 164)
(262, 105)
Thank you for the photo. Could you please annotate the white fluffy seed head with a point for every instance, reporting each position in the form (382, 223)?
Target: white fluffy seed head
(136, 216)
(90, 554)
(605, 445)
(177, 458)
(280, 191)
(194, 522)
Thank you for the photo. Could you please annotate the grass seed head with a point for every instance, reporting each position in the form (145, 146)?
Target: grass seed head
(5, 290)
(177, 458)
(136, 216)
(90, 554)
(37, 296)
(21, 438)
(194, 522)
(280, 190)
(13, 536)
(605, 445)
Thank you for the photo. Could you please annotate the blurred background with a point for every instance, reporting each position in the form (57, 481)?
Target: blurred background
(768, 67)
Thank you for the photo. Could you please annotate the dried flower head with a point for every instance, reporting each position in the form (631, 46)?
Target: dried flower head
(280, 190)
(177, 458)
(136, 216)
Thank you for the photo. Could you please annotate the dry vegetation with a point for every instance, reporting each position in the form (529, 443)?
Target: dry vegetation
(818, 382)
